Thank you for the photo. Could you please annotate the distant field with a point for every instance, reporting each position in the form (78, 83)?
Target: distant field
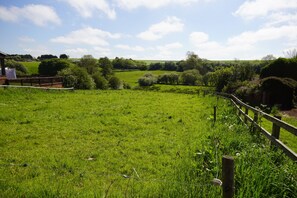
(132, 77)
(156, 61)
(32, 67)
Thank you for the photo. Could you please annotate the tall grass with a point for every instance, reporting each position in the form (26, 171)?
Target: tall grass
(130, 144)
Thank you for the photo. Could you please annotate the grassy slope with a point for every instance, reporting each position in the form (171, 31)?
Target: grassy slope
(87, 143)
(31, 66)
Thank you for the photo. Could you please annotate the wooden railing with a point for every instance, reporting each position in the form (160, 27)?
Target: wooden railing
(277, 124)
(37, 81)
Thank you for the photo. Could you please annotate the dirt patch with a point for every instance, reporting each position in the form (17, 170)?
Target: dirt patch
(291, 113)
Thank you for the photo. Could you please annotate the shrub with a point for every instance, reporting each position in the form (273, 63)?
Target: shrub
(147, 80)
(126, 85)
(115, 82)
(170, 78)
(281, 67)
(20, 69)
(100, 81)
(51, 67)
(77, 77)
(89, 63)
(191, 77)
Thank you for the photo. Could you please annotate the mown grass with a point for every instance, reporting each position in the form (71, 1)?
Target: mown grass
(130, 144)
(32, 67)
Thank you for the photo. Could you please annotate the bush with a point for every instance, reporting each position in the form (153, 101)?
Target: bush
(20, 69)
(147, 80)
(51, 67)
(89, 63)
(281, 67)
(100, 81)
(77, 77)
(115, 82)
(170, 78)
(191, 77)
(126, 85)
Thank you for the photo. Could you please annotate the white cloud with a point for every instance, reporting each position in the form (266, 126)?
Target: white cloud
(170, 46)
(37, 50)
(153, 4)
(281, 18)
(88, 8)
(88, 36)
(261, 8)
(96, 52)
(40, 15)
(246, 45)
(102, 51)
(26, 39)
(76, 52)
(159, 30)
(166, 52)
(131, 48)
(198, 37)
(265, 34)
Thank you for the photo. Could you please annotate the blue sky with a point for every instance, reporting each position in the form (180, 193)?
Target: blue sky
(149, 29)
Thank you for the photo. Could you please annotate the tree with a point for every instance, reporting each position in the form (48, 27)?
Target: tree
(115, 82)
(168, 78)
(77, 77)
(20, 68)
(243, 72)
(100, 81)
(220, 77)
(191, 77)
(106, 67)
(192, 62)
(46, 56)
(170, 66)
(89, 63)
(156, 66)
(51, 67)
(64, 56)
(292, 53)
(281, 67)
(268, 57)
(147, 80)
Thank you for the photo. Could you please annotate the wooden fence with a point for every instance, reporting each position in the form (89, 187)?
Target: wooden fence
(37, 81)
(243, 110)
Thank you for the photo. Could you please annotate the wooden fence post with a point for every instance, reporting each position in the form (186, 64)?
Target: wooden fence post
(275, 130)
(228, 177)
(239, 113)
(255, 121)
(246, 114)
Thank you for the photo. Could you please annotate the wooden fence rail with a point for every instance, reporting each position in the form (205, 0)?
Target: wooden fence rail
(277, 124)
(37, 81)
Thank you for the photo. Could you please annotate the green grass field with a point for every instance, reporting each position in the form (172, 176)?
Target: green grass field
(32, 67)
(130, 144)
(132, 77)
